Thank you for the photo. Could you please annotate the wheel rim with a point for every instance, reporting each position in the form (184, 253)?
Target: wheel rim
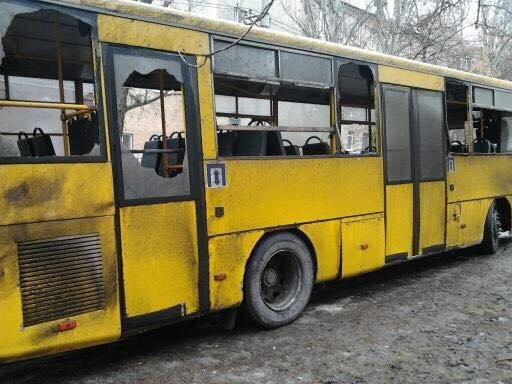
(496, 225)
(280, 280)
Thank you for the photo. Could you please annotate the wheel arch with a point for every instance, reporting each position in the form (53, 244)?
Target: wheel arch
(294, 231)
(504, 211)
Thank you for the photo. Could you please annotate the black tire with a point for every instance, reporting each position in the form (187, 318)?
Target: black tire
(278, 280)
(490, 241)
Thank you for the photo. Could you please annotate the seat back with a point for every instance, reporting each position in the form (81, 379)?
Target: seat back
(226, 143)
(251, 144)
(315, 148)
(176, 143)
(482, 146)
(274, 144)
(290, 149)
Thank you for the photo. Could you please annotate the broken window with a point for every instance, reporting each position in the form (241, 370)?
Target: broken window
(491, 131)
(304, 115)
(306, 68)
(272, 119)
(356, 109)
(245, 60)
(457, 116)
(491, 114)
(47, 93)
(151, 124)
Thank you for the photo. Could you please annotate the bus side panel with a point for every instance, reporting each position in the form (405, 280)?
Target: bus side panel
(480, 176)
(44, 192)
(95, 327)
(474, 183)
(326, 239)
(410, 78)
(432, 214)
(266, 193)
(362, 246)
(466, 222)
(229, 255)
(160, 262)
(399, 219)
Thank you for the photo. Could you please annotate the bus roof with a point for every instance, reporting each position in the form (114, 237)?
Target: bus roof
(156, 14)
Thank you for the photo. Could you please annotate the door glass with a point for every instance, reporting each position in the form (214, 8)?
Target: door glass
(430, 124)
(398, 141)
(152, 127)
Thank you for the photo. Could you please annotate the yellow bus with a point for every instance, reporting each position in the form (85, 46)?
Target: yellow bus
(145, 181)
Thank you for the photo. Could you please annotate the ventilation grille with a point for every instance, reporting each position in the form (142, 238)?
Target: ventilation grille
(60, 277)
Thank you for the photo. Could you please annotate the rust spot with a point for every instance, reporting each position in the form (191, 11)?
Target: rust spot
(220, 276)
(18, 193)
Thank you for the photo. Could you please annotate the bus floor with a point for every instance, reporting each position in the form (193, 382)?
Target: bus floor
(447, 318)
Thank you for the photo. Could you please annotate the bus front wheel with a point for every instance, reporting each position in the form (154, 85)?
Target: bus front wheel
(278, 280)
(492, 229)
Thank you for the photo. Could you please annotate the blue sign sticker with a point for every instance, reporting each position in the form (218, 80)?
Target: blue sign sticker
(216, 175)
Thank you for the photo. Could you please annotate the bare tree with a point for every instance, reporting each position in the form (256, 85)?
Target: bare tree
(495, 31)
(430, 32)
(330, 20)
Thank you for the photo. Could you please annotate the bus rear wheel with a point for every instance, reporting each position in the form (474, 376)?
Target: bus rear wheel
(278, 281)
(492, 230)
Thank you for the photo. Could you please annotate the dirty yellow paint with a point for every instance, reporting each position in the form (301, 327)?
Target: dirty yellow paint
(159, 242)
(399, 219)
(160, 262)
(432, 214)
(471, 188)
(465, 222)
(410, 78)
(326, 240)
(362, 246)
(148, 35)
(480, 176)
(453, 225)
(229, 255)
(47, 192)
(92, 328)
(206, 106)
(267, 193)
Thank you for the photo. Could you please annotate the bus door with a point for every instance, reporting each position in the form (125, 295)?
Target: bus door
(161, 224)
(415, 171)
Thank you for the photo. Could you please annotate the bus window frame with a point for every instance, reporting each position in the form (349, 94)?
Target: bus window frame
(91, 19)
(336, 61)
(194, 148)
(379, 114)
(493, 107)
(469, 97)
(270, 118)
(277, 50)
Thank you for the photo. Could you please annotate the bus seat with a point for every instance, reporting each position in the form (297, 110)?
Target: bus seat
(320, 148)
(457, 147)
(174, 142)
(482, 146)
(226, 142)
(275, 144)
(251, 144)
(290, 149)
